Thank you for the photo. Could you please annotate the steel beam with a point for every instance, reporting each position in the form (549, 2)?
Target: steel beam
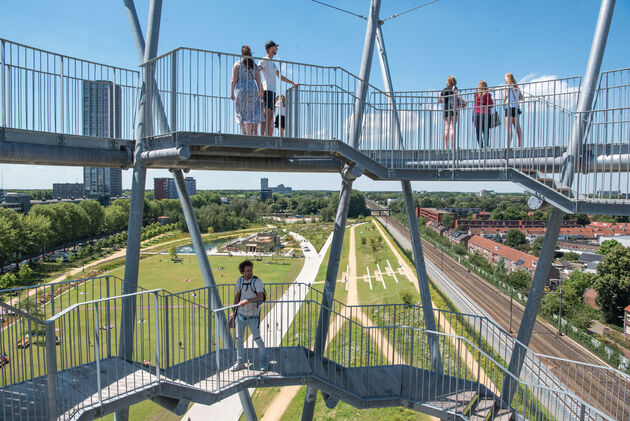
(329, 289)
(37, 154)
(165, 155)
(423, 278)
(344, 202)
(208, 279)
(136, 208)
(238, 163)
(364, 73)
(533, 304)
(587, 90)
(389, 87)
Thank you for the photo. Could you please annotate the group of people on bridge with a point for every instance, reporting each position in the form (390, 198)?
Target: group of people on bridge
(484, 116)
(255, 97)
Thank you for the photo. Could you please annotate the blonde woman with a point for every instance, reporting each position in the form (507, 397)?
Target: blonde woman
(481, 114)
(513, 96)
(452, 102)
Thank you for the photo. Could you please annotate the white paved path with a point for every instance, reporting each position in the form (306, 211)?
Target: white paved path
(230, 409)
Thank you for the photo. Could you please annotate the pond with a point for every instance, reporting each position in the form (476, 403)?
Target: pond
(188, 248)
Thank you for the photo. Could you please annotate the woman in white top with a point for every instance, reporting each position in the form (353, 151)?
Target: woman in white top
(513, 96)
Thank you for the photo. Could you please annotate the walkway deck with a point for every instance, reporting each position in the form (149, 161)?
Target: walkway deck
(363, 387)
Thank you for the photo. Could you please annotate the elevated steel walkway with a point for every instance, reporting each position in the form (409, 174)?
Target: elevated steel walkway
(110, 350)
(193, 126)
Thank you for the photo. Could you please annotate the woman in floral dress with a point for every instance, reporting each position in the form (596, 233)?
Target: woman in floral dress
(246, 92)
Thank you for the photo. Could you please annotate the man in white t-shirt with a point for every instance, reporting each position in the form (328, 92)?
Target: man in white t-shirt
(248, 294)
(269, 72)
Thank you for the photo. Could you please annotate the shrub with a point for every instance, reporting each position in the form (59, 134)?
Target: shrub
(407, 297)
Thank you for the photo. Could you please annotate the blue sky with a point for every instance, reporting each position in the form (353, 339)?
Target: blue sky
(472, 40)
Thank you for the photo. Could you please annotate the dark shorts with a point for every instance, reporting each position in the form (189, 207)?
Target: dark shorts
(449, 114)
(269, 99)
(512, 111)
(281, 121)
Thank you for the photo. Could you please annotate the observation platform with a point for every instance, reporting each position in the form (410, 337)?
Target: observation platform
(192, 125)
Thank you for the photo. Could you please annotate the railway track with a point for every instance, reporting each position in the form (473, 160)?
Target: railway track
(545, 340)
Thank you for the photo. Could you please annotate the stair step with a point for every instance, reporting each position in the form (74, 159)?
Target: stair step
(529, 171)
(471, 405)
(486, 411)
(546, 181)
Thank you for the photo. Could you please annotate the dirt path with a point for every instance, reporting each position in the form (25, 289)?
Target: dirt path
(471, 363)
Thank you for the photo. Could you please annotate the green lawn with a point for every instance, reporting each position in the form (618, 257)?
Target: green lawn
(372, 252)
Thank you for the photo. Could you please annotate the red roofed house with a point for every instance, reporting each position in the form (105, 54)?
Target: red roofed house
(514, 259)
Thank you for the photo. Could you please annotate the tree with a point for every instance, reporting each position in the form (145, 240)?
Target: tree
(606, 246)
(613, 283)
(448, 220)
(173, 252)
(357, 205)
(515, 238)
(537, 246)
(96, 213)
(115, 218)
(519, 279)
(580, 281)
(10, 235)
(37, 232)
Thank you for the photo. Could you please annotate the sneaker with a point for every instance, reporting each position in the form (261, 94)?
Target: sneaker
(238, 366)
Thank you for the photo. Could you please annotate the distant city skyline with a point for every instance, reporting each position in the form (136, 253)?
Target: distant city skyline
(539, 39)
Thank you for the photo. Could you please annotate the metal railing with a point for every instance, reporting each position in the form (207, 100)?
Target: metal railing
(176, 340)
(49, 92)
(195, 88)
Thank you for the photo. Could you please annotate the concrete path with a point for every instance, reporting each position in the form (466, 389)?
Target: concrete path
(230, 408)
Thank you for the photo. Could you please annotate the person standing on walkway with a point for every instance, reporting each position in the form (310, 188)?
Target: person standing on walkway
(512, 112)
(270, 72)
(248, 294)
(452, 103)
(246, 92)
(481, 114)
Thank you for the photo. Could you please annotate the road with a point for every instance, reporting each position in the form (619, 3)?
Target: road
(545, 340)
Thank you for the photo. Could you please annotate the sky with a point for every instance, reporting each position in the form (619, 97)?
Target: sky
(472, 40)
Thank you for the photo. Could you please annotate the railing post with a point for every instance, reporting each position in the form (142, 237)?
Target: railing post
(98, 354)
(52, 300)
(62, 98)
(219, 96)
(51, 368)
(173, 109)
(167, 355)
(3, 102)
(157, 336)
(216, 353)
(108, 333)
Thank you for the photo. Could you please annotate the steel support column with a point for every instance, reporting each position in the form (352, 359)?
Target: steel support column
(344, 201)
(423, 278)
(587, 91)
(533, 304)
(364, 73)
(208, 279)
(136, 208)
(545, 259)
(418, 255)
(389, 87)
(329, 289)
